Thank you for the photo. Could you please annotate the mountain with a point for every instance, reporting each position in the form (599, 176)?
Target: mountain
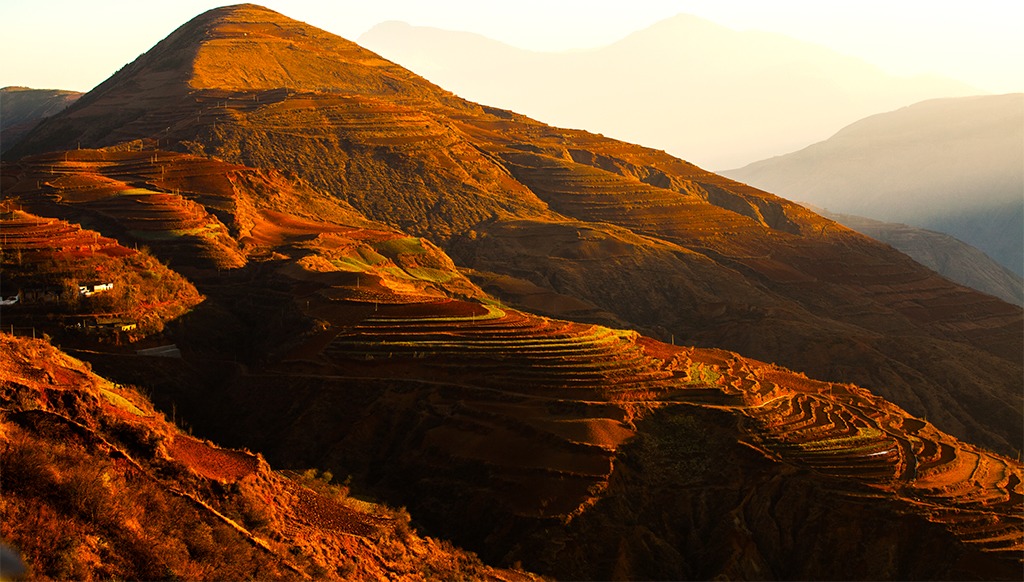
(685, 85)
(951, 165)
(365, 243)
(22, 108)
(527, 205)
(951, 258)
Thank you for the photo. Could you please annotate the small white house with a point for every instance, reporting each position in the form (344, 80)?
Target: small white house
(91, 289)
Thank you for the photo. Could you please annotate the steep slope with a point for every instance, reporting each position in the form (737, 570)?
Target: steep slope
(951, 165)
(637, 236)
(22, 108)
(680, 85)
(951, 258)
(501, 429)
(97, 484)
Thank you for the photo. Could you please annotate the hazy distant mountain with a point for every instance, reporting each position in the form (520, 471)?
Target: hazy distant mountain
(951, 165)
(944, 254)
(714, 96)
(22, 108)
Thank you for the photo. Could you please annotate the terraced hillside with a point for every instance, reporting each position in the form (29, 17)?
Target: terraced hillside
(522, 437)
(855, 435)
(98, 484)
(50, 268)
(195, 212)
(529, 429)
(836, 429)
(605, 230)
(202, 214)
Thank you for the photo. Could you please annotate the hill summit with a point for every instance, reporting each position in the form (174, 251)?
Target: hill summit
(241, 48)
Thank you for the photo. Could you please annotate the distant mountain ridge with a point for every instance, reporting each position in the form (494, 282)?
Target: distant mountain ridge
(696, 89)
(951, 165)
(942, 253)
(21, 108)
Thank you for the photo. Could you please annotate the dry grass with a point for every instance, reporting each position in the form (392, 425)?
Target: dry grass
(97, 485)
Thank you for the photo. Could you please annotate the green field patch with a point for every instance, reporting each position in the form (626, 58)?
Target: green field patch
(350, 264)
(395, 273)
(702, 374)
(866, 441)
(208, 230)
(153, 235)
(431, 275)
(362, 259)
(401, 246)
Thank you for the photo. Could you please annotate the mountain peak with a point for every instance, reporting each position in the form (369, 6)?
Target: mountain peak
(227, 53)
(248, 47)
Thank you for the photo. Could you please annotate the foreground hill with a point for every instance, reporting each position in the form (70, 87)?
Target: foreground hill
(22, 108)
(567, 222)
(97, 484)
(679, 85)
(951, 165)
(951, 258)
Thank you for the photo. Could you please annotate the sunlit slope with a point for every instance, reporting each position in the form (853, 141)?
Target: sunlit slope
(649, 240)
(207, 217)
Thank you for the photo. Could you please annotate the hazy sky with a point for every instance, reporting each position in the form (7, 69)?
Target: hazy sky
(75, 44)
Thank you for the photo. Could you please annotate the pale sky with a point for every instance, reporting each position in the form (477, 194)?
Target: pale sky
(76, 44)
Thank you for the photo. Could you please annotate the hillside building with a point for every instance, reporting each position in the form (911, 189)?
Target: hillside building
(90, 289)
